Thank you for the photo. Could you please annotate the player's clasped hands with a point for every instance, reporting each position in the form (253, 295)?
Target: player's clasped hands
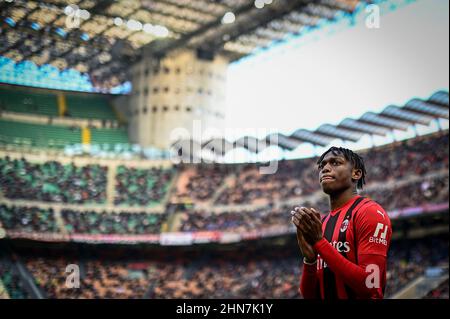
(308, 223)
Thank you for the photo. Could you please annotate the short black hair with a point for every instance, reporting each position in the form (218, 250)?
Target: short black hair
(356, 160)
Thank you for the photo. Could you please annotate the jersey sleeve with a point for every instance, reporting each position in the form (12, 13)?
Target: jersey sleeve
(373, 231)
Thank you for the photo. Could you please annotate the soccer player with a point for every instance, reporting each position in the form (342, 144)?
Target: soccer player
(345, 253)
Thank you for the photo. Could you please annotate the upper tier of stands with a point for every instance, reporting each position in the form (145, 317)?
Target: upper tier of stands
(54, 119)
(55, 136)
(48, 104)
(27, 102)
(92, 106)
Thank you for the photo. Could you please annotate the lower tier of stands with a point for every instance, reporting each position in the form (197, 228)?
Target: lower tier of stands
(251, 271)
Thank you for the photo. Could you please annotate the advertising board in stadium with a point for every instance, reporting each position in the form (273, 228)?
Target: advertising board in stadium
(173, 239)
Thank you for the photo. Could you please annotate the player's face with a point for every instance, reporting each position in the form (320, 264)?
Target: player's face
(335, 174)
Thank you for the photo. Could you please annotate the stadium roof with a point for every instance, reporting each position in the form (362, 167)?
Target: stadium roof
(349, 130)
(100, 38)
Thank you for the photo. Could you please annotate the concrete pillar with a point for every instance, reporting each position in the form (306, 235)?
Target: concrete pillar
(172, 93)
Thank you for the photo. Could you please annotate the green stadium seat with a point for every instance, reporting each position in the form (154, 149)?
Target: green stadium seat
(78, 106)
(92, 107)
(109, 136)
(55, 136)
(38, 135)
(26, 102)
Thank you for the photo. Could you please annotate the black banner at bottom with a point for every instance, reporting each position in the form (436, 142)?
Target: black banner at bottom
(207, 308)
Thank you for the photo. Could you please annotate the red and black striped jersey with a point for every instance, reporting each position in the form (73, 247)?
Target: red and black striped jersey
(351, 260)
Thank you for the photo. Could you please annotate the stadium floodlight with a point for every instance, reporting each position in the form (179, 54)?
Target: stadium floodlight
(70, 9)
(149, 28)
(134, 25)
(84, 14)
(118, 21)
(161, 31)
(228, 18)
(259, 4)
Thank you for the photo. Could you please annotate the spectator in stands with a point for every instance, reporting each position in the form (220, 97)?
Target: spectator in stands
(298, 178)
(202, 182)
(28, 219)
(243, 272)
(52, 181)
(112, 223)
(141, 187)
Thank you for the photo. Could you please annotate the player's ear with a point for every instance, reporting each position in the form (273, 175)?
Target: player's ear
(356, 174)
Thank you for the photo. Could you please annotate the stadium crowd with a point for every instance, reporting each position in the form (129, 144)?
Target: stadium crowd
(410, 258)
(427, 191)
(292, 179)
(223, 184)
(52, 181)
(141, 187)
(28, 219)
(32, 219)
(249, 272)
(112, 223)
(199, 183)
(98, 279)
(240, 221)
(441, 292)
(295, 178)
(409, 157)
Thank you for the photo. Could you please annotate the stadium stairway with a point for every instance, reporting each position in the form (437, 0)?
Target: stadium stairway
(28, 280)
(17, 268)
(111, 184)
(171, 189)
(150, 291)
(175, 222)
(421, 286)
(59, 220)
(172, 223)
(121, 118)
(3, 293)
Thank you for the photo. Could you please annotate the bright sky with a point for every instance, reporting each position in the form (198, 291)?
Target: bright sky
(346, 74)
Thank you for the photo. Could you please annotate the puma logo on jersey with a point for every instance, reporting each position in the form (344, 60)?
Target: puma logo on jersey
(381, 213)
